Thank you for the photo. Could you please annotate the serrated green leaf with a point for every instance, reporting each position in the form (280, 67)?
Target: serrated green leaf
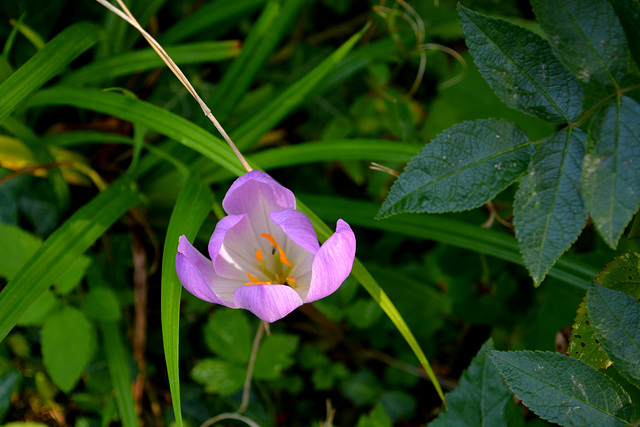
(228, 335)
(481, 397)
(17, 247)
(275, 355)
(583, 343)
(610, 173)
(549, 210)
(521, 68)
(101, 304)
(74, 274)
(68, 342)
(219, 376)
(623, 274)
(616, 321)
(463, 168)
(628, 12)
(564, 390)
(376, 418)
(39, 310)
(586, 36)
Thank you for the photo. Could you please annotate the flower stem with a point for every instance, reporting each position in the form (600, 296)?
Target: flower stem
(127, 16)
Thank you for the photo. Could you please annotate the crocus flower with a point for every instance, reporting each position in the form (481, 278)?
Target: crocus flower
(265, 255)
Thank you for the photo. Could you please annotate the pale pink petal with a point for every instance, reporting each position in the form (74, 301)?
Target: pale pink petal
(297, 226)
(257, 190)
(268, 302)
(195, 272)
(332, 263)
(233, 246)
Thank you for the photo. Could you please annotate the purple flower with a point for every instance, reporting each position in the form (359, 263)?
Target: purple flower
(265, 255)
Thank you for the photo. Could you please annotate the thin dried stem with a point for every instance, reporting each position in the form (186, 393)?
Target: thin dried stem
(127, 16)
(378, 167)
(252, 361)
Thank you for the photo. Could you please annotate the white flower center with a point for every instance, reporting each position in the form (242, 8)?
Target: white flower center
(279, 275)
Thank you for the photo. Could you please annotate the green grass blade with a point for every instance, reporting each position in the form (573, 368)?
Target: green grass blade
(66, 244)
(45, 64)
(213, 17)
(446, 230)
(147, 59)
(292, 97)
(325, 151)
(119, 371)
(379, 296)
(265, 35)
(190, 210)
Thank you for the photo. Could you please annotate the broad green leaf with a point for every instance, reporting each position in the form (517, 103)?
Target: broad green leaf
(68, 343)
(74, 274)
(190, 210)
(376, 418)
(17, 247)
(463, 168)
(219, 376)
(119, 373)
(564, 390)
(275, 355)
(45, 64)
(521, 68)
(227, 333)
(146, 59)
(9, 383)
(101, 304)
(549, 210)
(266, 33)
(610, 173)
(40, 309)
(66, 244)
(623, 274)
(586, 36)
(628, 12)
(481, 397)
(616, 321)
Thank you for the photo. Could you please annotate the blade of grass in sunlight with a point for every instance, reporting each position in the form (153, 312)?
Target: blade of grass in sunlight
(67, 243)
(119, 372)
(45, 64)
(266, 33)
(146, 59)
(191, 208)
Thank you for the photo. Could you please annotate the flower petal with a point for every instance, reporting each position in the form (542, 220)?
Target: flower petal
(268, 302)
(195, 272)
(297, 226)
(232, 247)
(332, 263)
(256, 189)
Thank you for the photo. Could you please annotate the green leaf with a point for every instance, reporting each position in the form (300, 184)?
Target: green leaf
(363, 313)
(376, 418)
(68, 343)
(616, 321)
(9, 383)
(64, 245)
(463, 168)
(45, 64)
(549, 210)
(219, 376)
(628, 12)
(623, 274)
(119, 372)
(71, 278)
(521, 68)
(275, 355)
(38, 312)
(610, 174)
(191, 208)
(17, 247)
(101, 304)
(586, 36)
(481, 397)
(564, 390)
(228, 335)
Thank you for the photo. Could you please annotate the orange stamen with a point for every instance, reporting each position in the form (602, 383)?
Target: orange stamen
(259, 256)
(283, 257)
(255, 281)
(291, 280)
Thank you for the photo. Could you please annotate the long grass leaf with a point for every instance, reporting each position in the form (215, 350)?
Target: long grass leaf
(119, 372)
(65, 245)
(191, 208)
(45, 64)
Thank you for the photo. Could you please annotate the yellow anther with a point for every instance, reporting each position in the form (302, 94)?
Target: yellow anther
(255, 280)
(259, 256)
(291, 280)
(283, 257)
